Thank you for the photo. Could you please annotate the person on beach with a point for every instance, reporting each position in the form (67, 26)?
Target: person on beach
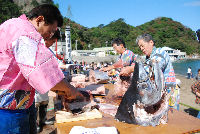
(189, 73)
(28, 65)
(147, 46)
(197, 92)
(126, 58)
(195, 88)
(196, 85)
(198, 75)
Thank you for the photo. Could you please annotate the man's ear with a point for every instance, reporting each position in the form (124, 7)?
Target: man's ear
(151, 42)
(122, 45)
(39, 19)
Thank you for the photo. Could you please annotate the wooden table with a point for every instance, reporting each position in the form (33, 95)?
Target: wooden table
(178, 123)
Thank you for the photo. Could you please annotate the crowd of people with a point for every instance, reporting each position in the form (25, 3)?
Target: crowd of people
(81, 67)
(30, 70)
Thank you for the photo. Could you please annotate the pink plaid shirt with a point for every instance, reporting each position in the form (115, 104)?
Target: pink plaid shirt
(25, 64)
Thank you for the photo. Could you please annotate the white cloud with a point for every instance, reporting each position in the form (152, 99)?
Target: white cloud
(193, 3)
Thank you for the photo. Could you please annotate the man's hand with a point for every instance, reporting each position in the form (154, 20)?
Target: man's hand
(104, 69)
(126, 71)
(75, 97)
(69, 91)
(198, 94)
(62, 66)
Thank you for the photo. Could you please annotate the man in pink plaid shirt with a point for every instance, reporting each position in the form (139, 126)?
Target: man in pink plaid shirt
(26, 65)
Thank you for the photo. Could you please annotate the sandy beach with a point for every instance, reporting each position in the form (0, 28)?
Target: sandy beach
(187, 98)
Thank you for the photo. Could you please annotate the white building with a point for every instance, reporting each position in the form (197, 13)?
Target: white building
(84, 53)
(99, 52)
(175, 54)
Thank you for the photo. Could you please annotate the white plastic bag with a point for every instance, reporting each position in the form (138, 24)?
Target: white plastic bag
(98, 130)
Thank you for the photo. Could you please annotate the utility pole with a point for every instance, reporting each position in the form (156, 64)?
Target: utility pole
(106, 46)
(89, 45)
(69, 13)
(106, 43)
(76, 44)
(68, 48)
(68, 43)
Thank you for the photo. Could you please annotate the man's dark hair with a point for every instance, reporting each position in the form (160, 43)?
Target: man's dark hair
(50, 13)
(56, 35)
(118, 41)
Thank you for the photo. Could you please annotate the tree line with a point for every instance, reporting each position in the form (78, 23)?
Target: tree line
(165, 31)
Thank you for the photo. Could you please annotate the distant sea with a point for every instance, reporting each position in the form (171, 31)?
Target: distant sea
(181, 66)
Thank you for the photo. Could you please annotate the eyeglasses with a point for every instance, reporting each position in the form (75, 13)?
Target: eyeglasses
(52, 30)
(52, 33)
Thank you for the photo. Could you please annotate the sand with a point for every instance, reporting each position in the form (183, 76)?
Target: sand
(187, 97)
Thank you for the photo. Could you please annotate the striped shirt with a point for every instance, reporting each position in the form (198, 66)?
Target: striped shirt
(165, 64)
(127, 58)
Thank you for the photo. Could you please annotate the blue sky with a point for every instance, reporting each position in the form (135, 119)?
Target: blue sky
(91, 13)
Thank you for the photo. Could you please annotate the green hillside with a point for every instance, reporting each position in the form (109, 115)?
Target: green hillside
(165, 32)
(8, 9)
